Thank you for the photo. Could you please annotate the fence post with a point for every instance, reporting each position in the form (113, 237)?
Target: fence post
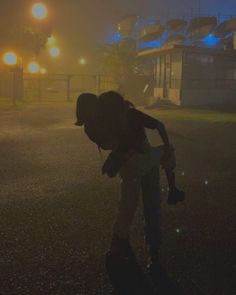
(39, 89)
(68, 87)
(98, 84)
(21, 84)
(14, 73)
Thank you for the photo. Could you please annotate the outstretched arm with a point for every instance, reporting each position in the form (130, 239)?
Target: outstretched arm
(163, 133)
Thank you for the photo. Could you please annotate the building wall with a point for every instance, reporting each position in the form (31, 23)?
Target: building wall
(158, 92)
(175, 96)
(168, 76)
(208, 79)
(196, 77)
(207, 97)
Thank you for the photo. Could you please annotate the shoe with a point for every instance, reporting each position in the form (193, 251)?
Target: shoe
(175, 196)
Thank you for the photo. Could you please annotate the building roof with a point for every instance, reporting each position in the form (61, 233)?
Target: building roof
(160, 51)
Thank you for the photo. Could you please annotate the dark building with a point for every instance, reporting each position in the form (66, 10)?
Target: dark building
(189, 75)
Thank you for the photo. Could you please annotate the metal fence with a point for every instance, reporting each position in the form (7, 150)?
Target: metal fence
(62, 87)
(11, 85)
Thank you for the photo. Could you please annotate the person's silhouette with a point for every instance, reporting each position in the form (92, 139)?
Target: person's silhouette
(114, 124)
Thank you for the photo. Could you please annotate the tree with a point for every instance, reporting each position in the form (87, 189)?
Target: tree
(23, 38)
(16, 29)
(119, 59)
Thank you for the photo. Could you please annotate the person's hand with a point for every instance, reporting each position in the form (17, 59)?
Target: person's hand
(112, 164)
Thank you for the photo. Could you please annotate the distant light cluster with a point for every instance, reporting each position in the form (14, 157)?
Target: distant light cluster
(202, 31)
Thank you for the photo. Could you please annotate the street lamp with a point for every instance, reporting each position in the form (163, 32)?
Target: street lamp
(39, 11)
(10, 58)
(51, 40)
(54, 51)
(82, 61)
(33, 68)
(14, 63)
(43, 71)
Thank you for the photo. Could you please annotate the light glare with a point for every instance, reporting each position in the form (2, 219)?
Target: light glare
(54, 51)
(10, 58)
(39, 11)
(51, 40)
(34, 68)
(43, 71)
(82, 61)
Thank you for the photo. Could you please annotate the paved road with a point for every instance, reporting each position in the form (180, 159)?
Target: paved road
(57, 210)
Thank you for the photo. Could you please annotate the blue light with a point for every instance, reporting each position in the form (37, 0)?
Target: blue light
(150, 44)
(210, 40)
(113, 38)
(152, 22)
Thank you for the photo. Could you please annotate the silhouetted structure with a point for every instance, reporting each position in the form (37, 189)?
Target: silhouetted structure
(189, 75)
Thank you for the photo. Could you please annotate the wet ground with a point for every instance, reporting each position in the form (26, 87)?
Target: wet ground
(57, 210)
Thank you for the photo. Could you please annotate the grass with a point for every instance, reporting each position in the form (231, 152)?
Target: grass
(7, 104)
(194, 114)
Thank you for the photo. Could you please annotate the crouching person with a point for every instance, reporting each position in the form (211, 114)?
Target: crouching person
(114, 124)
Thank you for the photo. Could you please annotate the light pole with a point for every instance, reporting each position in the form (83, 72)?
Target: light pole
(14, 64)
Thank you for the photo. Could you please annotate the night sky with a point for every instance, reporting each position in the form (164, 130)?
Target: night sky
(90, 16)
(80, 24)
(93, 15)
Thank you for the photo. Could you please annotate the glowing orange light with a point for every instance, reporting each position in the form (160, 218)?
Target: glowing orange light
(34, 68)
(51, 40)
(83, 61)
(39, 11)
(10, 58)
(43, 71)
(55, 51)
